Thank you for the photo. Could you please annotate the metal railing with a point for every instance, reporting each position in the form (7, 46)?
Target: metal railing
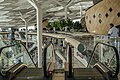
(13, 54)
(48, 57)
(114, 74)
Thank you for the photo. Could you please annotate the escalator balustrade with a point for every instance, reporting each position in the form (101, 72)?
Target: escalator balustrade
(20, 66)
(101, 70)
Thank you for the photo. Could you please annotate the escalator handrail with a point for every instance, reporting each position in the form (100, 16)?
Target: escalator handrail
(23, 46)
(69, 60)
(44, 59)
(117, 57)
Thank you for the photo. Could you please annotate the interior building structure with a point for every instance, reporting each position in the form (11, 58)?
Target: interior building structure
(59, 39)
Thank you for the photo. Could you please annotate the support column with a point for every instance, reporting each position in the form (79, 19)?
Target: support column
(26, 32)
(39, 35)
(80, 10)
(67, 7)
(66, 13)
(39, 30)
(66, 17)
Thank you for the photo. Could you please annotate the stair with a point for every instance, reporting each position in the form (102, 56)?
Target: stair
(87, 74)
(58, 74)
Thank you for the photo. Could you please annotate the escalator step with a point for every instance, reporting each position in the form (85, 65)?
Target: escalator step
(87, 74)
(31, 74)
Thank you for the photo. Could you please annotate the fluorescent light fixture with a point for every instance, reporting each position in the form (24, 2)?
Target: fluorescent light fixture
(8, 8)
(5, 20)
(3, 17)
(1, 1)
(3, 12)
(94, 31)
(1, 7)
(76, 20)
(55, 9)
(87, 3)
(5, 4)
(8, 25)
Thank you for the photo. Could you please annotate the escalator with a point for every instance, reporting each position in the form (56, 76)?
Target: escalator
(104, 68)
(58, 74)
(18, 64)
(21, 35)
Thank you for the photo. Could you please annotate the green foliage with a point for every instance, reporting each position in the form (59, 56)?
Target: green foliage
(60, 24)
(69, 23)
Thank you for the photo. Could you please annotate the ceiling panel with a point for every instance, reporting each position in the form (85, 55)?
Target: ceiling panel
(10, 10)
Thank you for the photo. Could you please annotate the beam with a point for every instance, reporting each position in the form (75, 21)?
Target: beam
(66, 8)
(69, 3)
(81, 10)
(58, 2)
(39, 35)
(31, 18)
(32, 2)
(66, 13)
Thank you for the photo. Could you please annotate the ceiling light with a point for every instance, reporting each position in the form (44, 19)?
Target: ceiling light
(5, 20)
(5, 4)
(1, 7)
(2, 17)
(3, 12)
(55, 9)
(94, 31)
(1, 1)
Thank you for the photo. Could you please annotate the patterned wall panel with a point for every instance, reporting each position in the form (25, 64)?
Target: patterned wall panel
(99, 17)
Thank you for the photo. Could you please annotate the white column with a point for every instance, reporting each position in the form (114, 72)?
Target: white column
(39, 30)
(66, 17)
(26, 32)
(39, 35)
(26, 26)
(66, 13)
(80, 10)
(67, 7)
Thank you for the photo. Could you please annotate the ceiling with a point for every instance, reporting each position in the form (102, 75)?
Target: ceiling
(11, 10)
